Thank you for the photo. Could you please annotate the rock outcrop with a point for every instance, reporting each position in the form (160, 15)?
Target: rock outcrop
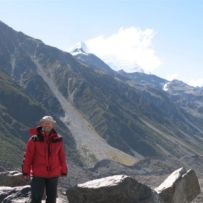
(180, 187)
(13, 188)
(12, 179)
(114, 189)
(18, 194)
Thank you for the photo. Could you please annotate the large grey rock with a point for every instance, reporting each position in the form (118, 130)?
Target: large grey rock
(112, 189)
(12, 178)
(180, 187)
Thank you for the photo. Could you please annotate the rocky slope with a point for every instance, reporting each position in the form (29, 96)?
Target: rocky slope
(17, 112)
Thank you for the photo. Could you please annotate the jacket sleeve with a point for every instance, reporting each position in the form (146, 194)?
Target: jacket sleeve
(64, 167)
(28, 158)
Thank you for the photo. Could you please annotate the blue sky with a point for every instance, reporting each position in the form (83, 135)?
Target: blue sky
(164, 37)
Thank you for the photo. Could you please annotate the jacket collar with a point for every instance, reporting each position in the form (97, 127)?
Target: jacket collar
(52, 133)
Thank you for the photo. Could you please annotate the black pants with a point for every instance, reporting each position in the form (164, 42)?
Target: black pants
(38, 186)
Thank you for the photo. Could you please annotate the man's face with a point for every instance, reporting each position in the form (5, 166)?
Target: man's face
(47, 126)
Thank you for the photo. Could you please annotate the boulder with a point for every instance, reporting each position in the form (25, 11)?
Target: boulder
(12, 178)
(112, 189)
(180, 187)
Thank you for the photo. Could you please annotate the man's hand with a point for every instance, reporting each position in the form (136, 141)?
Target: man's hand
(26, 177)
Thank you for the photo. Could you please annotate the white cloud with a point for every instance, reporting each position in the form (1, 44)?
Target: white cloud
(196, 83)
(128, 49)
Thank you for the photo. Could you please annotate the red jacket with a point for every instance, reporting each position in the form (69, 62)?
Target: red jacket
(44, 155)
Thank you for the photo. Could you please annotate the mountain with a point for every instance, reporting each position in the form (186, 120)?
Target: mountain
(139, 78)
(53, 77)
(103, 114)
(80, 52)
(153, 85)
(187, 97)
(79, 48)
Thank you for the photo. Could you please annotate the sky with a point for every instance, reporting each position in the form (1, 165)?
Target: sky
(163, 37)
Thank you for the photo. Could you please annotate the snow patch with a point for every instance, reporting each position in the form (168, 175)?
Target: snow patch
(165, 87)
(79, 48)
(20, 200)
(5, 188)
(14, 173)
(58, 200)
(77, 52)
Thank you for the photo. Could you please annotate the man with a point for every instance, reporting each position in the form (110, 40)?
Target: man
(44, 160)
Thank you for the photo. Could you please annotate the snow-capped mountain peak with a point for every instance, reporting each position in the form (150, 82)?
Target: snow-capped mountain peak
(79, 48)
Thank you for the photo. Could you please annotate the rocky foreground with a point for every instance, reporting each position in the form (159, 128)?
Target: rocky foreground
(182, 186)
